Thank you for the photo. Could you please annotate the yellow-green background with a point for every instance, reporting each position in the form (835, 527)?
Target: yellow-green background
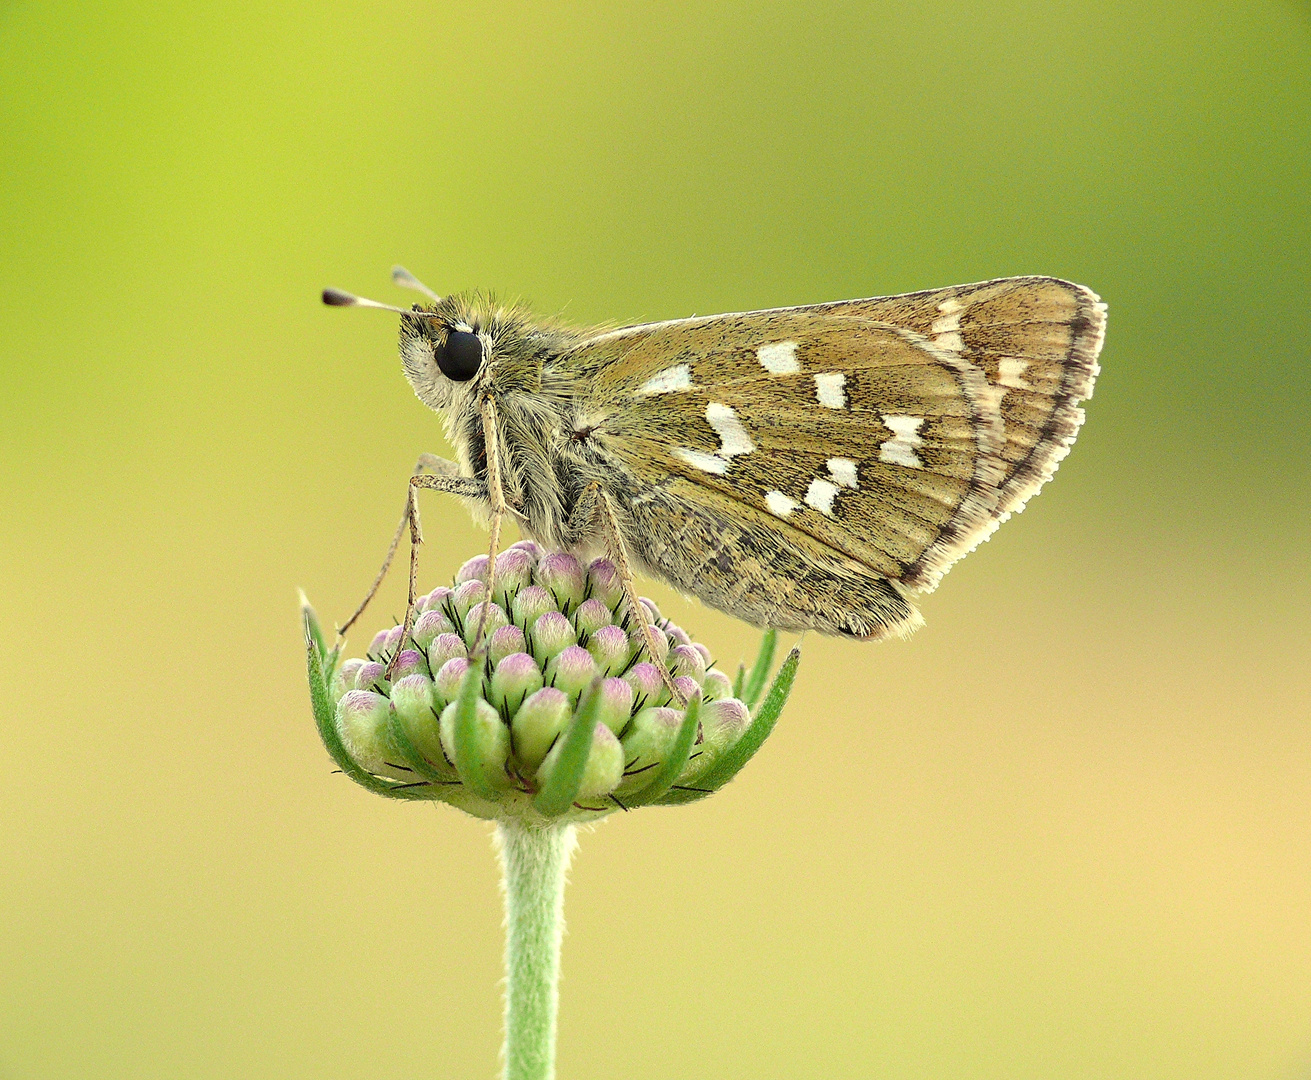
(1063, 832)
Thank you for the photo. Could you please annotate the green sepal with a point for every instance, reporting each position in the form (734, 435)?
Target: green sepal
(561, 788)
(752, 739)
(326, 721)
(467, 761)
(755, 683)
(739, 679)
(673, 765)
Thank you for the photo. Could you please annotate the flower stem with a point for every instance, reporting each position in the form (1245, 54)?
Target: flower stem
(533, 866)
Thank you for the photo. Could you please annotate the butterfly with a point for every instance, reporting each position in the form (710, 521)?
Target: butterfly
(799, 468)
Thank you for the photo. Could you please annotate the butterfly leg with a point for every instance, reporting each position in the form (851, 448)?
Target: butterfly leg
(447, 479)
(495, 495)
(596, 503)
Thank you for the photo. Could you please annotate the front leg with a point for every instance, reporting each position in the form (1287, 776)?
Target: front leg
(446, 477)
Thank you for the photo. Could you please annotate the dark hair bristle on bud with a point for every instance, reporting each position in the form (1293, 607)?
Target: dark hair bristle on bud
(337, 298)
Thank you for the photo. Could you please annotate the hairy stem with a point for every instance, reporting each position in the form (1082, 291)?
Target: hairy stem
(533, 866)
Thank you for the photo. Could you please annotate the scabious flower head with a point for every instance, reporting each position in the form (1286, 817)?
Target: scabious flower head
(559, 712)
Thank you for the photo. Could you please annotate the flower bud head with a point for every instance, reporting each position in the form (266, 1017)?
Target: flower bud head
(646, 742)
(465, 596)
(605, 764)
(363, 725)
(591, 616)
(563, 577)
(410, 662)
(445, 647)
(571, 671)
(492, 742)
(610, 649)
(428, 626)
(446, 683)
(615, 704)
(514, 571)
(344, 678)
(563, 657)
(474, 569)
(371, 676)
(537, 724)
(530, 604)
(685, 660)
(496, 618)
(515, 677)
(552, 634)
(604, 584)
(717, 686)
(506, 640)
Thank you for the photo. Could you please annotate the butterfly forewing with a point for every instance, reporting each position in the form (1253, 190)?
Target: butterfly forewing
(894, 432)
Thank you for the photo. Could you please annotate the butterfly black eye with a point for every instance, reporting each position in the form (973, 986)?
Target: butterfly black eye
(461, 356)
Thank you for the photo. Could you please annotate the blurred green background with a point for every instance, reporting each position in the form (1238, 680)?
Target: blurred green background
(1065, 831)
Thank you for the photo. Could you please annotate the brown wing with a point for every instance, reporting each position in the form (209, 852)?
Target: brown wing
(877, 432)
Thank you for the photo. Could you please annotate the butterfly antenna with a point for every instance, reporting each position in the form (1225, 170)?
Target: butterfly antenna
(337, 298)
(406, 280)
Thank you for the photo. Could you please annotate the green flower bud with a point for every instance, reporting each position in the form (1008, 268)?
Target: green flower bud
(465, 596)
(722, 724)
(610, 648)
(717, 685)
(364, 727)
(563, 577)
(603, 583)
(414, 703)
(541, 726)
(496, 618)
(446, 683)
(685, 660)
(371, 676)
(344, 679)
(648, 686)
(515, 677)
(410, 662)
(591, 616)
(646, 742)
(514, 571)
(615, 707)
(445, 647)
(552, 634)
(604, 769)
(530, 604)
(506, 640)
(428, 625)
(492, 739)
(537, 724)
(571, 671)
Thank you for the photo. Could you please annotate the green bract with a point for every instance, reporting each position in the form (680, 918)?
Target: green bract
(561, 715)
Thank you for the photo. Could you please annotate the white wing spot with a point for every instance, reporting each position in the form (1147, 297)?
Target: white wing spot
(1011, 373)
(843, 471)
(900, 449)
(733, 440)
(779, 504)
(829, 390)
(780, 358)
(733, 437)
(946, 330)
(699, 459)
(820, 495)
(678, 377)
